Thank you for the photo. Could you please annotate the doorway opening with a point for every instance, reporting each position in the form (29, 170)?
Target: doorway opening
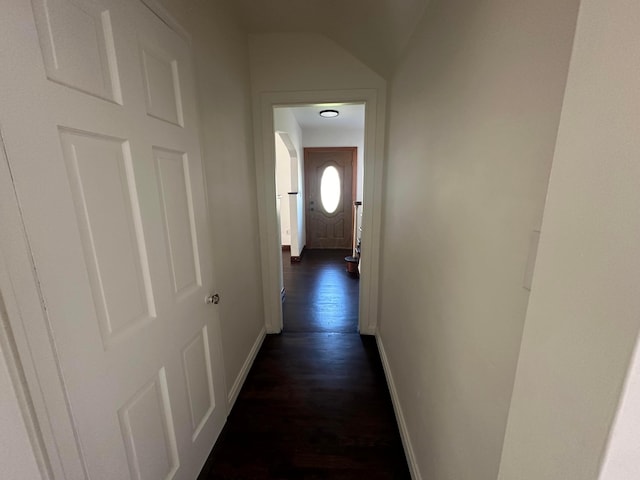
(265, 109)
(318, 198)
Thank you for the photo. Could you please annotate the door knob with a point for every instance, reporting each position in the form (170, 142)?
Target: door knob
(215, 299)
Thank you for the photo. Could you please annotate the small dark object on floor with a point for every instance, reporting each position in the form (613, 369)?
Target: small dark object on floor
(352, 265)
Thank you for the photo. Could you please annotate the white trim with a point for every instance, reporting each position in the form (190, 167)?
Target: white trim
(292, 200)
(9, 352)
(34, 357)
(375, 108)
(397, 408)
(163, 14)
(242, 376)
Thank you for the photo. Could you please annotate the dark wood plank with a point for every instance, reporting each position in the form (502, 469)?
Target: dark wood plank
(320, 295)
(335, 229)
(315, 405)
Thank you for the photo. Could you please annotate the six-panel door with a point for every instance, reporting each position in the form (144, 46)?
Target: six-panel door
(101, 132)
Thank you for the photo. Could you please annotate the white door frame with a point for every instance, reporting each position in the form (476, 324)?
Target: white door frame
(374, 132)
(26, 337)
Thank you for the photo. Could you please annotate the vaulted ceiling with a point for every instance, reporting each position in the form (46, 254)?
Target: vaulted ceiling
(374, 31)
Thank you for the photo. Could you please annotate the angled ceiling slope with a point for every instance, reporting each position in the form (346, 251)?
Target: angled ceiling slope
(374, 31)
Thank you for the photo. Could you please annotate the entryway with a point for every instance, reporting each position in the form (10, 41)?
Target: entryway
(266, 110)
(319, 175)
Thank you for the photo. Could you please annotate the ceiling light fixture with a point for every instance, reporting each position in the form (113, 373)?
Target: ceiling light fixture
(329, 113)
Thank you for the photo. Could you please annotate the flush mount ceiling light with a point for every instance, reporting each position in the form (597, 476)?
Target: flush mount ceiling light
(329, 113)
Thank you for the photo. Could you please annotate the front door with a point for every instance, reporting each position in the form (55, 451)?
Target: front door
(98, 115)
(330, 191)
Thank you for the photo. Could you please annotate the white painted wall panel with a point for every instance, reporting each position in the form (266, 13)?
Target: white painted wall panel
(584, 313)
(285, 122)
(474, 110)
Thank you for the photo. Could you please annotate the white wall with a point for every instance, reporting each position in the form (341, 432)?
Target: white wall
(584, 312)
(283, 187)
(289, 129)
(222, 72)
(305, 61)
(474, 111)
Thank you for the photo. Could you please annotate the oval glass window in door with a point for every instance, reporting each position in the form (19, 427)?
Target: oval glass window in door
(330, 189)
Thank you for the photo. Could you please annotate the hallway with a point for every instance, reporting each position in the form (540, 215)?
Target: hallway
(315, 404)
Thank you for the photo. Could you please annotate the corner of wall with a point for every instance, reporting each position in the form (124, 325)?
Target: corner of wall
(397, 408)
(234, 391)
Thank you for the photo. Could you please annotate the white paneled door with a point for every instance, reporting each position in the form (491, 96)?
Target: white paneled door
(98, 116)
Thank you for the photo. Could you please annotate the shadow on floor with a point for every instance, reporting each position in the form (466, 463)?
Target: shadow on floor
(315, 404)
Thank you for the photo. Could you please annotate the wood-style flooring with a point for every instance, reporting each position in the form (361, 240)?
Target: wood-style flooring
(320, 296)
(315, 404)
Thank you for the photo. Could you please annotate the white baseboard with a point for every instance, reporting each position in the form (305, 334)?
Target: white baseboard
(367, 331)
(404, 432)
(242, 376)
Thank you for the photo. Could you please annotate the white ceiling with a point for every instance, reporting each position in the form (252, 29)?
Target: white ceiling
(375, 31)
(351, 116)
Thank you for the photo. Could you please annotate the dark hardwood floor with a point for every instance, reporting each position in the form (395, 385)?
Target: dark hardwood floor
(315, 404)
(320, 296)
